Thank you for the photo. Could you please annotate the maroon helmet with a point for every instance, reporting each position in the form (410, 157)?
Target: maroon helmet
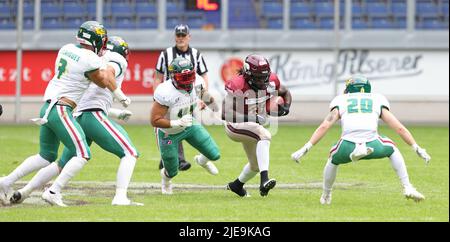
(256, 71)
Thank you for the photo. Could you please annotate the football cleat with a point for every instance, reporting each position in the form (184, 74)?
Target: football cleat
(325, 199)
(5, 194)
(53, 198)
(166, 184)
(184, 165)
(209, 166)
(411, 193)
(239, 190)
(17, 198)
(265, 188)
(117, 201)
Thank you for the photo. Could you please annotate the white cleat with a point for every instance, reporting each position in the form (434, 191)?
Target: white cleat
(53, 198)
(124, 202)
(411, 193)
(325, 199)
(209, 166)
(166, 184)
(5, 194)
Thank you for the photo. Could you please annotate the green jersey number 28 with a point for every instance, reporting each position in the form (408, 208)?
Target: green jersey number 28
(363, 105)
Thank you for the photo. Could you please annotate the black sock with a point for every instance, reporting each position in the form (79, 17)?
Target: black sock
(239, 183)
(264, 177)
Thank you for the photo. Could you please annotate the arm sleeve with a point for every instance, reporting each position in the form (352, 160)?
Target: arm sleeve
(201, 66)
(160, 65)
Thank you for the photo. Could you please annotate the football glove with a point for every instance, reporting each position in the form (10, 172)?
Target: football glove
(124, 100)
(301, 152)
(283, 110)
(185, 121)
(422, 153)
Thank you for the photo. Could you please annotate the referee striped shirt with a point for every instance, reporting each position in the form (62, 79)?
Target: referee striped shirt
(167, 55)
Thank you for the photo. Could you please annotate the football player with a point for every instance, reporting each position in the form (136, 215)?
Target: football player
(171, 115)
(76, 67)
(93, 112)
(359, 111)
(244, 110)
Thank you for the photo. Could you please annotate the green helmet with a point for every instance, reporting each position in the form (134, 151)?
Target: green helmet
(93, 33)
(357, 83)
(119, 45)
(182, 73)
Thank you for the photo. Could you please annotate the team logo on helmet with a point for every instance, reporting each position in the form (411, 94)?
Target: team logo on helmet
(119, 45)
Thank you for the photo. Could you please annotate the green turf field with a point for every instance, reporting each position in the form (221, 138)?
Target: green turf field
(364, 191)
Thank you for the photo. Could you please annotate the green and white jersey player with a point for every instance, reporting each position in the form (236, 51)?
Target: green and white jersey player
(76, 66)
(359, 111)
(171, 115)
(91, 114)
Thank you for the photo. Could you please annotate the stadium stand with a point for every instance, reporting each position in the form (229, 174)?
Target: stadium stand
(243, 14)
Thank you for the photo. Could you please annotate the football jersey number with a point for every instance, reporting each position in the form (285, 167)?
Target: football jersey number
(363, 105)
(61, 67)
(185, 111)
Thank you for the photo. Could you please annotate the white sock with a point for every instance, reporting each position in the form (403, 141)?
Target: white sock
(262, 154)
(30, 164)
(329, 175)
(247, 174)
(42, 177)
(202, 160)
(72, 168)
(124, 174)
(398, 163)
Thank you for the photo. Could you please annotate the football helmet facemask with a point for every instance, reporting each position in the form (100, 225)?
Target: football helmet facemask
(256, 72)
(182, 73)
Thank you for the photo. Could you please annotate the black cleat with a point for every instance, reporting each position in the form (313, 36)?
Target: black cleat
(16, 198)
(239, 190)
(265, 188)
(160, 164)
(184, 165)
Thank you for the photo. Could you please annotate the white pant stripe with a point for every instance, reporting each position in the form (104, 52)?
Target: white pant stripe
(73, 131)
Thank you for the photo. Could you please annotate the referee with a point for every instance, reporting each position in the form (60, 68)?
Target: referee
(181, 48)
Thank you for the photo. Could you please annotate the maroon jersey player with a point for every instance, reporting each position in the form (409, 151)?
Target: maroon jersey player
(244, 110)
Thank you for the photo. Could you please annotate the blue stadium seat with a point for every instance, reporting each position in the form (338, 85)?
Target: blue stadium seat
(73, 22)
(424, 9)
(7, 23)
(173, 7)
(381, 23)
(122, 10)
(303, 23)
(431, 23)
(326, 22)
(324, 9)
(124, 23)
(91, 9)
(400, 22)
(272, 8)
(74, 10)
(359, 23)
(51, 9)
(195, 21)
(147, 22)
(5, 11)
(173, 20)
(52, 23)
(275, 23)
(28, 8)
(300, 9)
(399, 9)
(377, 9)
(444, 8)
(357, 10)
(146, 8)
(28, 23)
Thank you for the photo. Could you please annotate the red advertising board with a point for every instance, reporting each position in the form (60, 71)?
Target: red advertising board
(38, 70)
